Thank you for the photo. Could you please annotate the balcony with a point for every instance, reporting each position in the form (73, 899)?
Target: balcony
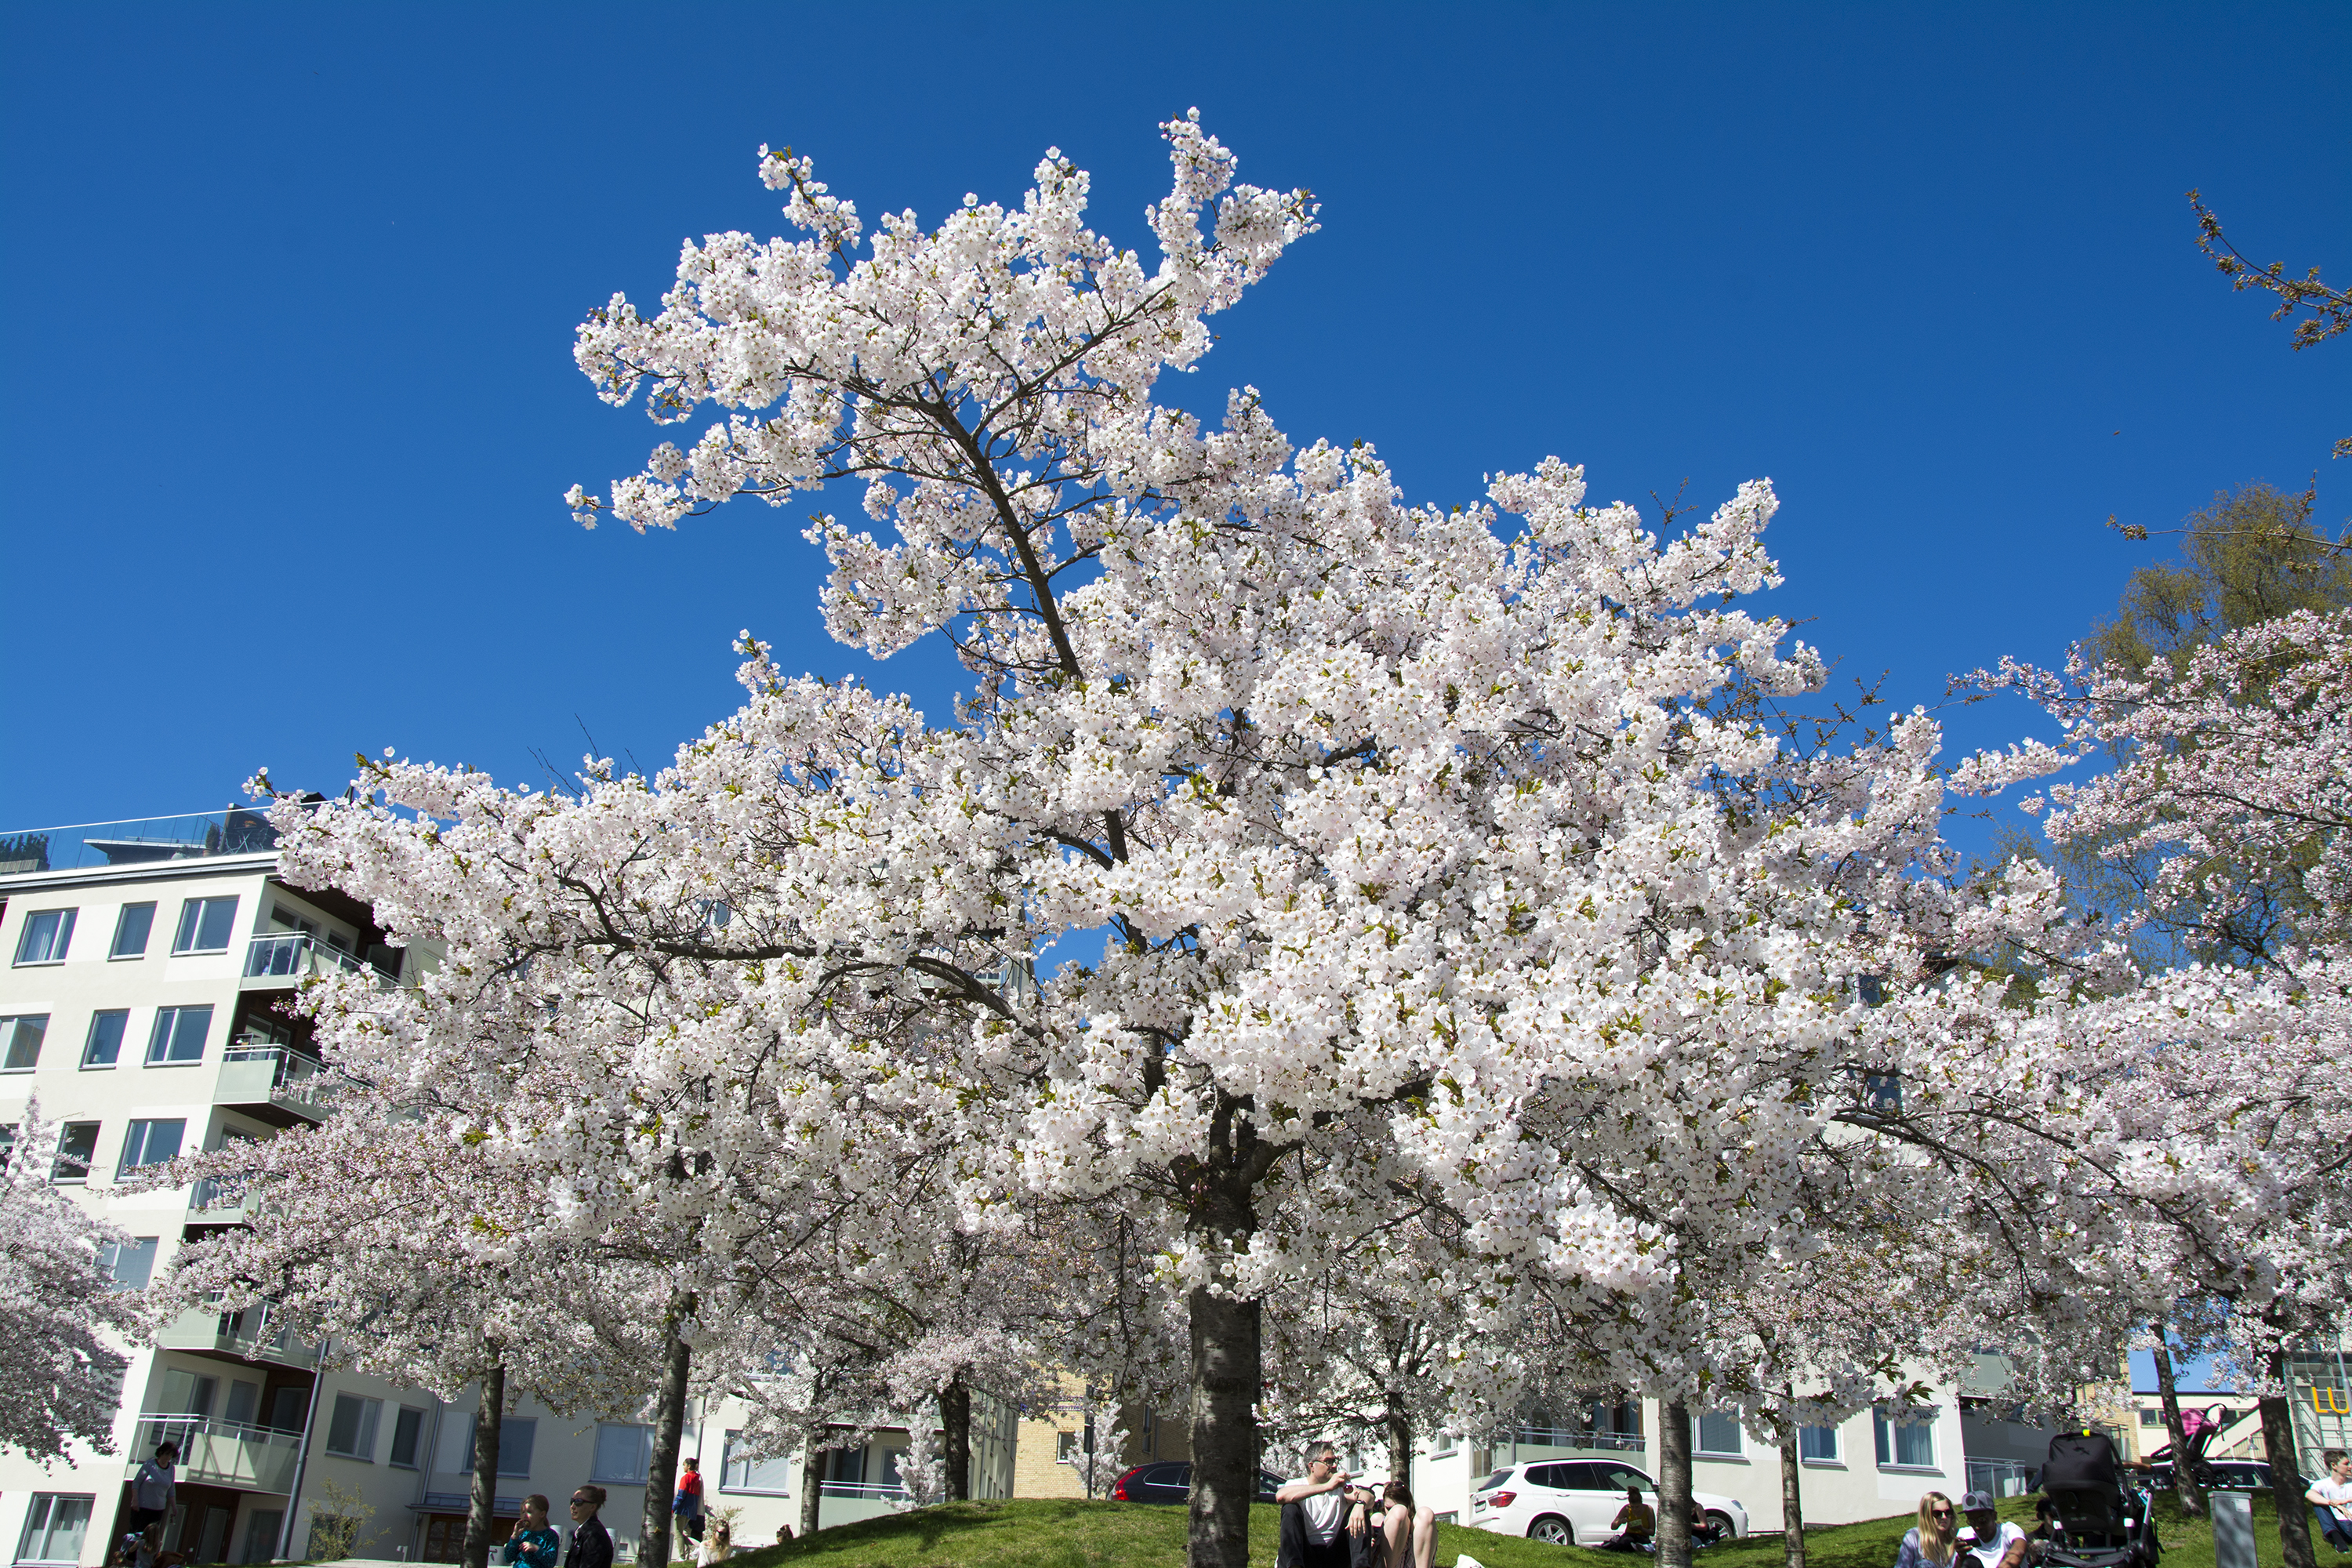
(138, 841)
(274, 1082)
(210, 1202)
(247, 1335)
(223, 1453)
(288, 957)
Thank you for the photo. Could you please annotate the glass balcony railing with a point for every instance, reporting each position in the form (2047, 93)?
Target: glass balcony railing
(249, 1334)
(224, 1453)
(138, 841)
(252, 1073)
(291, 955)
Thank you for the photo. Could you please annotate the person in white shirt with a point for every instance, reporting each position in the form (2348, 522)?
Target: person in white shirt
(1314, 1512)
(1990, 1540)
(2330, 1497)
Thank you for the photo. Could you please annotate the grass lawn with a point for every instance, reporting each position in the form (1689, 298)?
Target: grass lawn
(1039, 1534)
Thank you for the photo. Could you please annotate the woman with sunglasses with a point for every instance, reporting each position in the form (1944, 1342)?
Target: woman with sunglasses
(1930, 1543)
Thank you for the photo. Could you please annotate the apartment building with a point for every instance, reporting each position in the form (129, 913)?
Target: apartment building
(149, 969)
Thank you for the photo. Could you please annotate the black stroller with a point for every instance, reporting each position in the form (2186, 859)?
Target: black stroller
(2097, 1518)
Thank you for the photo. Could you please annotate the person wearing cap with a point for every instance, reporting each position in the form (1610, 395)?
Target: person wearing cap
(1992, 1541)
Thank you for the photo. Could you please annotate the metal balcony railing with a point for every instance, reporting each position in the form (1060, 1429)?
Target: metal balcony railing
(891, 1491)
(1574, 1438)
(224, 1453)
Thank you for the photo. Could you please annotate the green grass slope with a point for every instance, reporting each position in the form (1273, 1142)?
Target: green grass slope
(1041, 1533)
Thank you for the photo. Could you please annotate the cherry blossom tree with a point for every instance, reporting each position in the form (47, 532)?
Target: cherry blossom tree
(1445, 861)
(2212, 1097)
(59, 1309)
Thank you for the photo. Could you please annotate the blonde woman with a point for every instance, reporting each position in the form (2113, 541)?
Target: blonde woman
(718, 1546)
(1930, 1543)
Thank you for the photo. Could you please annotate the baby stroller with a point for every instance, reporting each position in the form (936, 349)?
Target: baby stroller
(2097, 1519)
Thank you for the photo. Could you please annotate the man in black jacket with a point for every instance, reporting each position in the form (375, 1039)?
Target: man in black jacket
(591, 1543)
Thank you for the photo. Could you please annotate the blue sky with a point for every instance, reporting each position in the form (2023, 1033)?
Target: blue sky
(288, 295)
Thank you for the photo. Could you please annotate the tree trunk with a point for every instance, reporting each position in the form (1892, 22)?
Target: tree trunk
(2287, 1485)
(1674, 1484)
(1793, 1499)
(1400, 1425)
(1225, 1374)
(2185, 1485)
(813, 1459)
(955, 1419)
(482, 1500)
(669, 1426)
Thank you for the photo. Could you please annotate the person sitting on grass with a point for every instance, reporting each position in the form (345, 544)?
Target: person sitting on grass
(1315, 1513)
(1636, 1525)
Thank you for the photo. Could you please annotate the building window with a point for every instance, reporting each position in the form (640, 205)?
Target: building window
(77, 1146)
(1716, 1434)
(2151, 1417)
(205, 925)
(55, 1524)
(515, 1439)
(130, 931)
(149, 1143)
(1065, 1447)
(105, 1043)
(743, 1472)
(624, 1453)
(7, 1144)
(351, 1431)
(178, 1036)
(20, 1041)
(407, 1427)
(129, 1264)
(1818, 1444)
(1911, 1445)
(47, 933)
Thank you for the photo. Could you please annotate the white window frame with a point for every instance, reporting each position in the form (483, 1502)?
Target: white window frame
(12, 1028)
(162, 1035)
(191, 928)
(114, 948)
(1836, 1455)
(597, 1471)
(740, 1473)
(513, 1429)
(1886, 1442)
(40, 1515)
(371, 1412)
(140, 1251)
(53, 950)
(135, 1143)
(89, 1040)
(57, 1176)
(1738, 1449)
(416, 1445)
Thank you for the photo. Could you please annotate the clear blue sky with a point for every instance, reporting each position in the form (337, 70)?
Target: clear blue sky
(289, 292)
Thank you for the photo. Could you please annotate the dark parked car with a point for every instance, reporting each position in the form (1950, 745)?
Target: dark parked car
(1170, 1480)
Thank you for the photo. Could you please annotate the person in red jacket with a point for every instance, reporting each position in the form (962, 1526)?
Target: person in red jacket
(687, 1506)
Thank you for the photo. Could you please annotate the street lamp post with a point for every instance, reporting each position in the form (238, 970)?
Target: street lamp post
(1092, 1395)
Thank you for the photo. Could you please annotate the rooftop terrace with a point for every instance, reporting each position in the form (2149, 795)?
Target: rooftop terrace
(138, 841)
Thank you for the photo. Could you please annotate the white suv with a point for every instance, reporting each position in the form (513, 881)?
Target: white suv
(1570, 1502)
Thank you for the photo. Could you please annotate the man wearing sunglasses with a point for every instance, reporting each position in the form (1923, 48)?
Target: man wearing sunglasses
(1990, 1540)
(591, 1543)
